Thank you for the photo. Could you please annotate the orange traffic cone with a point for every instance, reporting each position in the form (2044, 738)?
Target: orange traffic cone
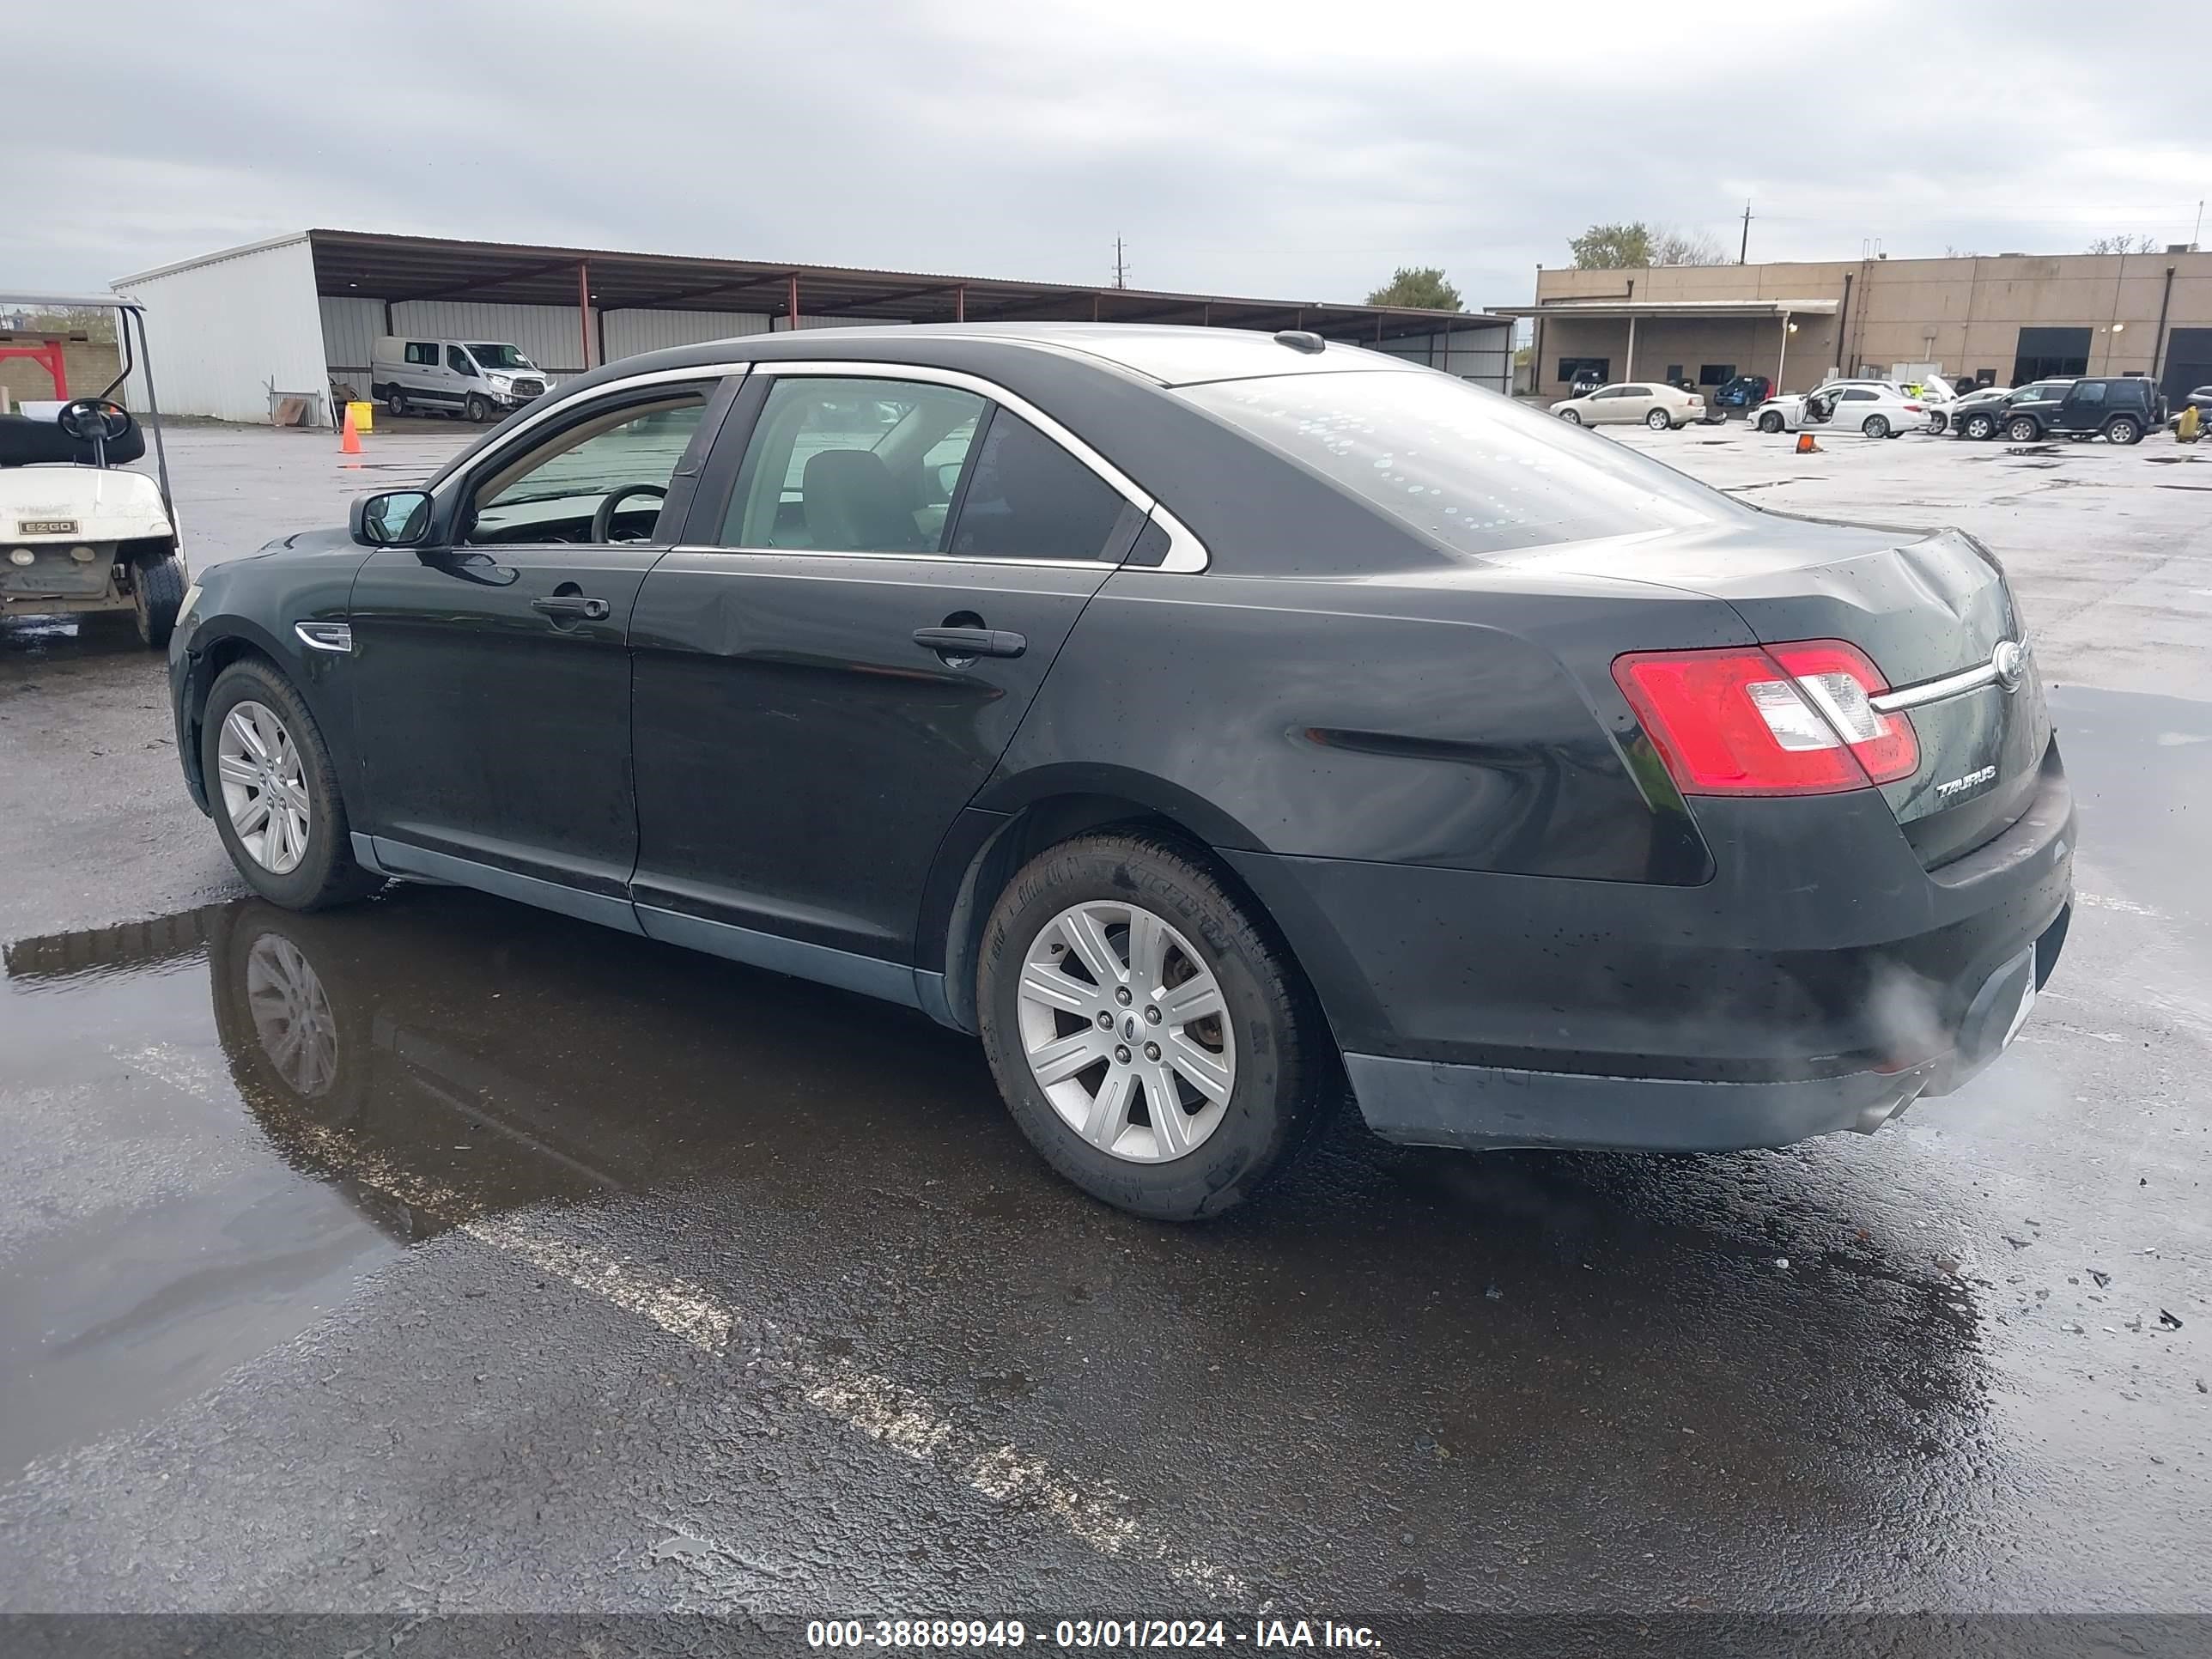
(1805, 444)
(349, 441)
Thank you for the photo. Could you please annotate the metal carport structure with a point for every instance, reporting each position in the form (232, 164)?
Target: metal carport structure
(298, 312)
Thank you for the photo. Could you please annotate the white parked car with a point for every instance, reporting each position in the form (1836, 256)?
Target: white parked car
(1880, 409)
(1654, 402)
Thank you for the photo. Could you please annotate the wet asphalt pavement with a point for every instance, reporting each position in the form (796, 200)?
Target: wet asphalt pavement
(440, 1254)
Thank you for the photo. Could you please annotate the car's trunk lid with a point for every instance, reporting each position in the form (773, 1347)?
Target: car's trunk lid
(1925, 606)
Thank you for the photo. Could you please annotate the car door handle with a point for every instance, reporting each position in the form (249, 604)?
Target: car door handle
(571, 604)
(951, 642)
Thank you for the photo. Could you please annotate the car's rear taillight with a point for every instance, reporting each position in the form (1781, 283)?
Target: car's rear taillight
(1778, 719)
(1915, 409)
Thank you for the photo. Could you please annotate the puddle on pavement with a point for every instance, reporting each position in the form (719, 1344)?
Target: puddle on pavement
(216, 1122)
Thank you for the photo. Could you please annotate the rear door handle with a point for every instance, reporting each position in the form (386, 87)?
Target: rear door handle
(571, 604)
(951, 642)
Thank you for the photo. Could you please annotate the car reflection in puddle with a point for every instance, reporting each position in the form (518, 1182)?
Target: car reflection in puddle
(216, 1122)
(217, 1125)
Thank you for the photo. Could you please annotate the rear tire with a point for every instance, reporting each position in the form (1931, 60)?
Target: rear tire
(1266, 1034)
(1659, 421)
(2022, 429)
(1875, 426)
(157, 593)
(1770, 423)
(325, 873)
(2122, 429)
(395, 402)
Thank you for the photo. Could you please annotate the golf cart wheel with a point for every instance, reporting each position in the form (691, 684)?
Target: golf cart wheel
(2122, 429)
(1659, 421)
(157, 593)
(2022, 429)
(1980, 428)
(1875, 426)
(1150, 1034)
(273, 792)
(395, 402)
(1770, 423)
(1572, 417)
(477, 410)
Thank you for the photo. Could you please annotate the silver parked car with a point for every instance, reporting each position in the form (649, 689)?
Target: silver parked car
(1656, 403)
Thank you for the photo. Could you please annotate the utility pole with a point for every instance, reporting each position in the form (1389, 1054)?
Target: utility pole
(1120, 266)
(2197, 236)
(1743, 253)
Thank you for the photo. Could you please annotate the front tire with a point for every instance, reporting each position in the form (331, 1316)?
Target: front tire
(1571, 417)
(1875, 426)
(2022, 430)
(1979, 427)
(1151, 1037)
(1770, 423)
(157, 593)
(477, 409)
(274, 794)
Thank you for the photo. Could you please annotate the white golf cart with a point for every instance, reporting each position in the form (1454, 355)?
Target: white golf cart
(80, 533)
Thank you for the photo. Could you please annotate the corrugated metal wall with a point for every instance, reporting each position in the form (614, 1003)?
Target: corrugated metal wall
(350, 329)
(805, 321)
(630, 332)
(1483, 355)
(548, 335)
(225, 331)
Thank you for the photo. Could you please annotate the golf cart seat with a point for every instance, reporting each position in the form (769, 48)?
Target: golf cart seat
(25, 440)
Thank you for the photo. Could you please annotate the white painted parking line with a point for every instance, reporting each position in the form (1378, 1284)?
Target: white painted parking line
(1089, 1510)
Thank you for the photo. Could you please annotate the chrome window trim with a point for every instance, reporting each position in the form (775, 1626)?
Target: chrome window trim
(1186, 556)
(553, 403)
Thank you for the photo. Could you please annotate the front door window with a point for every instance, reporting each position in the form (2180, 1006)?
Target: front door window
(601, 479)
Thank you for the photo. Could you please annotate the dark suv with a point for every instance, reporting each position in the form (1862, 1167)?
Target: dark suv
(2122, 409)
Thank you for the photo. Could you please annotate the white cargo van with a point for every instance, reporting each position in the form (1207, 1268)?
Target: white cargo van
(477, 381)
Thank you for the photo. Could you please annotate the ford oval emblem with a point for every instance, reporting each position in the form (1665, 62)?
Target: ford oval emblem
(2011, 663)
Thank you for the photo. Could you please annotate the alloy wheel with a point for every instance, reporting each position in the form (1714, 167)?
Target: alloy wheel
(292, 1017)
(1572, 417)
(264, 787)
(1126, 1032)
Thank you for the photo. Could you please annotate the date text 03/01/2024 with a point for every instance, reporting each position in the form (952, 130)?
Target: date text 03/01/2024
(1086, 1633)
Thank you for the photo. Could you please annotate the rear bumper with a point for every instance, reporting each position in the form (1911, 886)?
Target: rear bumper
(1425, 1103)
(1821, 980)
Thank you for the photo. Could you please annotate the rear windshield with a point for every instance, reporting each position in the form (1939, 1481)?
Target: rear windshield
(1474, 472)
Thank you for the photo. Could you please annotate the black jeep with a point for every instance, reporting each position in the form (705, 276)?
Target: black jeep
(2123, 408)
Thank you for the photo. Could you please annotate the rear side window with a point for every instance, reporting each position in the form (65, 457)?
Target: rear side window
(1029, 499)
(2090, 391)
(1472, 470)
(423, 353)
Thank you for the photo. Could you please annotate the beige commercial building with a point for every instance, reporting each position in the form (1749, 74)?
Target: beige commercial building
(2000, 320)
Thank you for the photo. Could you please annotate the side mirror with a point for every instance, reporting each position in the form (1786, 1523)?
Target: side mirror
(399, 518)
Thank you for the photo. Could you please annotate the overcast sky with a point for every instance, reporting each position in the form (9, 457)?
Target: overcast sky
(1283, 150)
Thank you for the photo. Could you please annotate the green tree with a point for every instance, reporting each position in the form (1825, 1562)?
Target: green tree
(1612, 247)
(1421, 286)
(1615, 247)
